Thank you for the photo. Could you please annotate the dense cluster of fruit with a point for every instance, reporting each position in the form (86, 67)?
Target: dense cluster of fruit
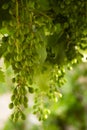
(44, 38)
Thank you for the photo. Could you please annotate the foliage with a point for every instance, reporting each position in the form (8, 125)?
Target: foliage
(41, 38)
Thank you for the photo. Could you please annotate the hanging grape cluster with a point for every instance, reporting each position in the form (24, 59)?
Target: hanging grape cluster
(42, 40)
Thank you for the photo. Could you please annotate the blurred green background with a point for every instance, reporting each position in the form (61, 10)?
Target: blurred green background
(69, 113)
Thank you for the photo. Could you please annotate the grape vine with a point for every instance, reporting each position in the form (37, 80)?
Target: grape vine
(43, 39)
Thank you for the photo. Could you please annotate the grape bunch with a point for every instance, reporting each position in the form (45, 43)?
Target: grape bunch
(43, 39)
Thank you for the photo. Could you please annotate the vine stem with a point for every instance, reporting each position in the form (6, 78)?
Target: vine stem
(17, 14)
(18, 23)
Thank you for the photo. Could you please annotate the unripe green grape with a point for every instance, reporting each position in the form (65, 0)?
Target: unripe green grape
(24, 90)
(17, 65)
(35, 106)
(13, 97)
(12, 116)
(19, 57)
(44, 117)
(23, 117)
(13, 80)
(16, 102)
(25, 104)
(15, 91)
(69, 67)
(40, 118)
(15, 57)
(17, 115)
(35, 111)
(25, 99)
(20, 100)
(26, 63)
(11, 105)
(31, 90)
